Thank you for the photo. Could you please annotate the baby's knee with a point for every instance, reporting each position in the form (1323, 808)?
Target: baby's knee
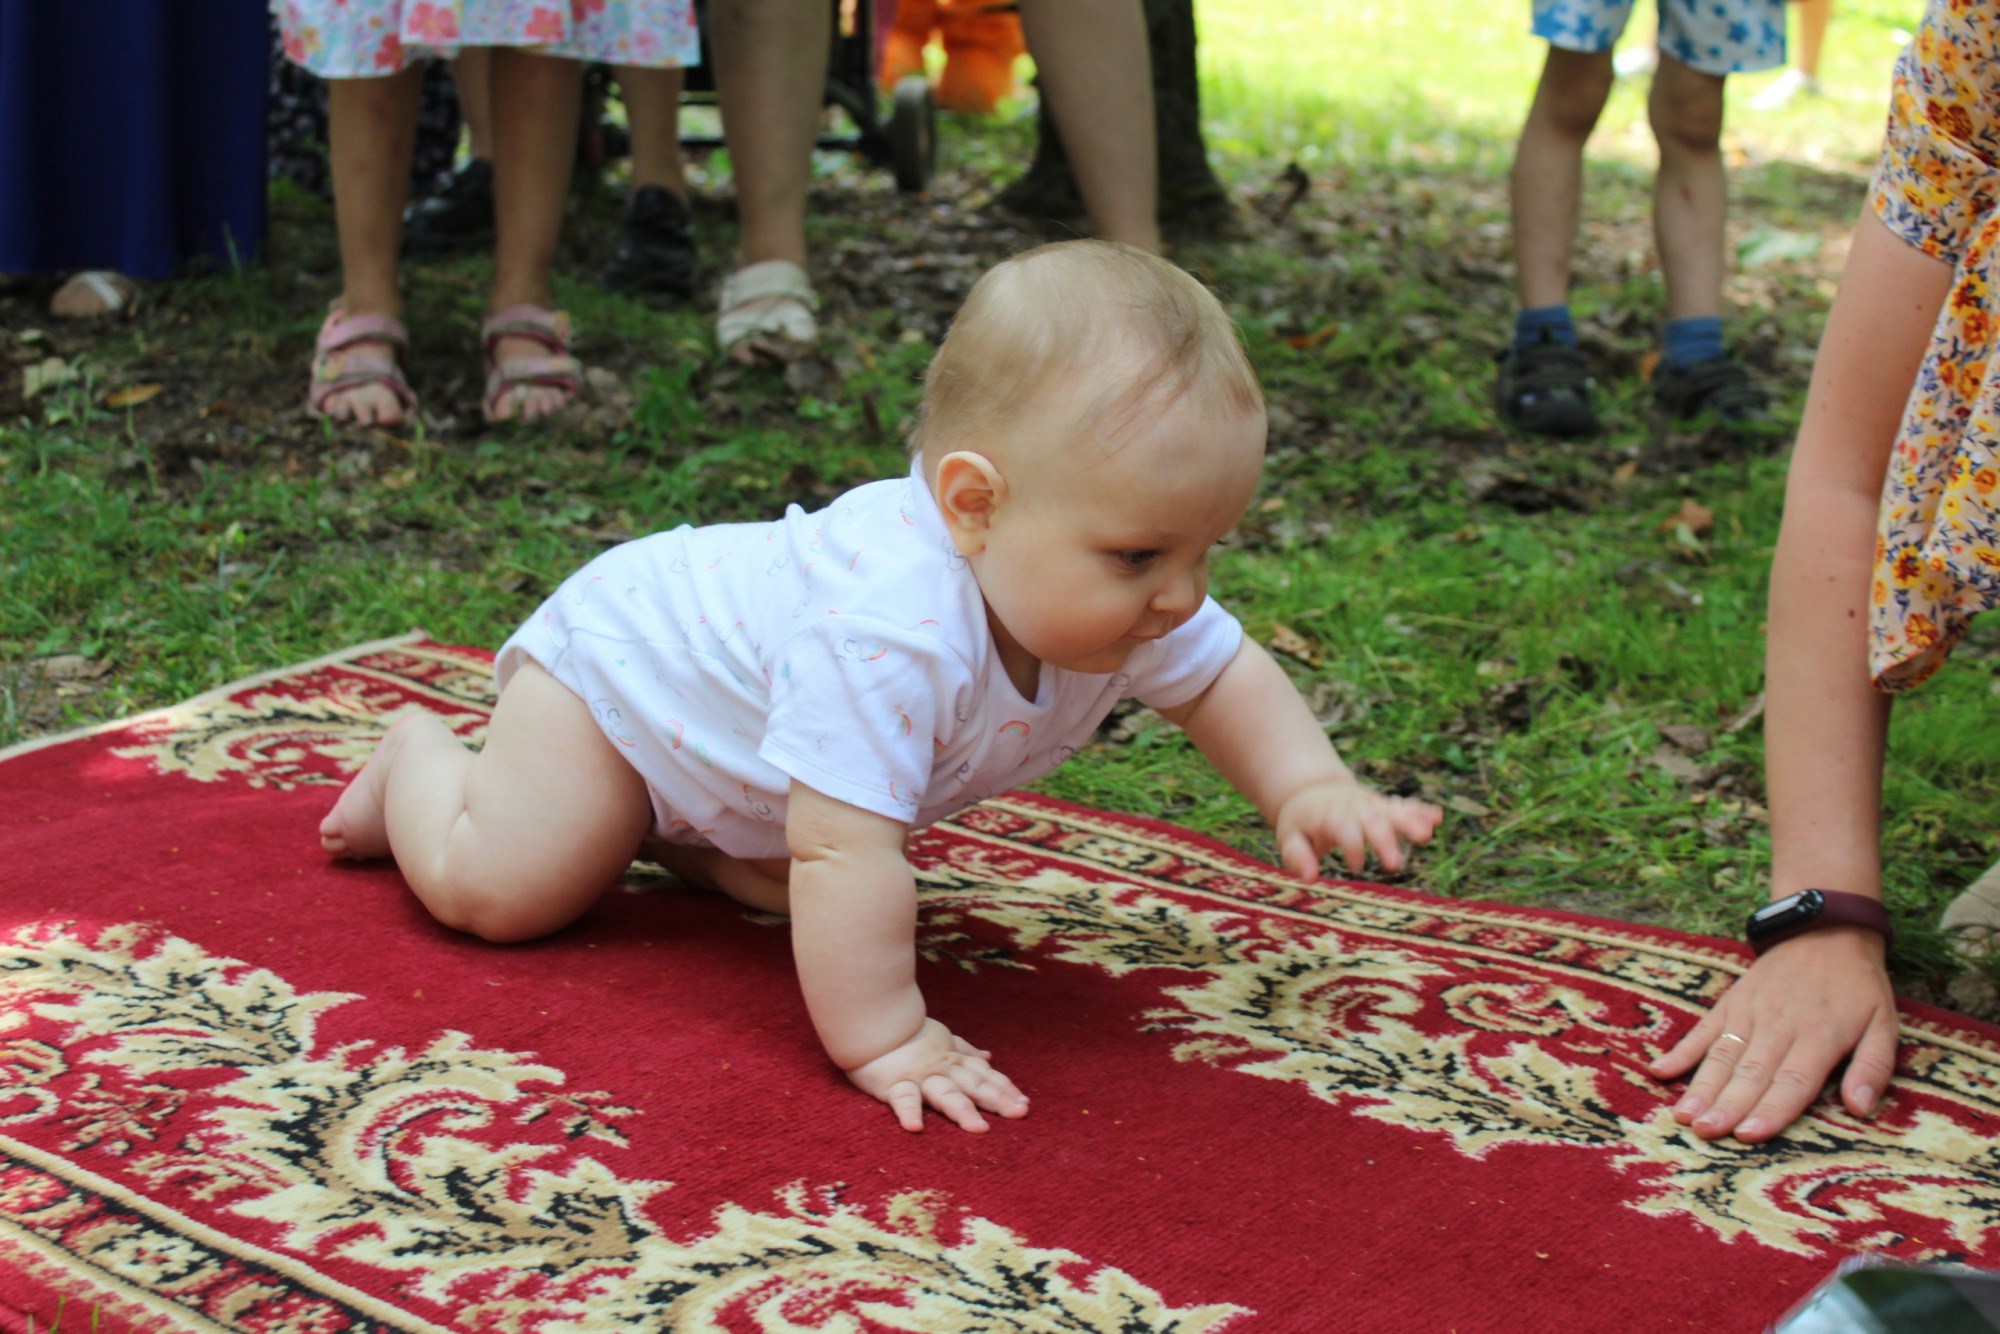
(499, 919)
(502, 928)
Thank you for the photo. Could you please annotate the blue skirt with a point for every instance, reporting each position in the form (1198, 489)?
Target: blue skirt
(131, 134)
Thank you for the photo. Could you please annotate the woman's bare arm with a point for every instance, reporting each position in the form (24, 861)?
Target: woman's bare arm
(1766, 1049)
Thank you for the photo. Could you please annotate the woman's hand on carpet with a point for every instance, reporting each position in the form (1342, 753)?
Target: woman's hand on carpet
(1767, 1047)
(942, 1071)
(1354, 818)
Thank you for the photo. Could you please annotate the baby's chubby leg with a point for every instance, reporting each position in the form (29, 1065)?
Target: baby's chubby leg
(763, 883)
(511, 842)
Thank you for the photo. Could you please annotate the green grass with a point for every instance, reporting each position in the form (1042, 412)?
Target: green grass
(1502, 625)
(1376, 80)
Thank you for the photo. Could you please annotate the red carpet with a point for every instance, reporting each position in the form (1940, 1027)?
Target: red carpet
(242, 1088)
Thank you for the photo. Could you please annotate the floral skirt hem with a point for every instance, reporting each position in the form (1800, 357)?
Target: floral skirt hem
(358, 39)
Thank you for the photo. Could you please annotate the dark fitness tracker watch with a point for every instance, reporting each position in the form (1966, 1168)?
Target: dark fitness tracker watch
(1811, 909)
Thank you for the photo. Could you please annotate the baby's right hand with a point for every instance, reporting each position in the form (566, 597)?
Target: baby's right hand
(947, 1072)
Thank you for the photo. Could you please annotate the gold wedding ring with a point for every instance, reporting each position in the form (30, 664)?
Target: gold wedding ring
(1738, 1037)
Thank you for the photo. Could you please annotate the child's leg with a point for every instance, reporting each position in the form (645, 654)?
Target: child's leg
(371, 135)
(763, 883)
(1814, 15)
(1690, 194)
(535, 104)
(1546, 184)
(509, 843)
(653, 112)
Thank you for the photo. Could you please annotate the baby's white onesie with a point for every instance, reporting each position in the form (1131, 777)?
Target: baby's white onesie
(846, 648)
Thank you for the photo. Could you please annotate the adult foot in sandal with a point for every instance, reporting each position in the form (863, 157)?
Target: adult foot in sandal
(529, 371)
(92, 293)
(766, 316)
(1972, 920)
(355, 375)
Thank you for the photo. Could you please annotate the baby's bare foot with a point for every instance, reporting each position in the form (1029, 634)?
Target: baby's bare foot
(357, 826)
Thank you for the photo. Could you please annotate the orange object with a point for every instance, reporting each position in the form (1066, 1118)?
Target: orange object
(981, 40)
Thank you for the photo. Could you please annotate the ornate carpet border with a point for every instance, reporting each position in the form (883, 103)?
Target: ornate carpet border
(55, 1215)
(1248, 880)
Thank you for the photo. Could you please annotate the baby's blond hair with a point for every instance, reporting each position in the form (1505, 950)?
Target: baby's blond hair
(1063, 314)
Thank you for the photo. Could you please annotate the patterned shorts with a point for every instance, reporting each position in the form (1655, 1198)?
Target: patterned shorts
(1713, 36)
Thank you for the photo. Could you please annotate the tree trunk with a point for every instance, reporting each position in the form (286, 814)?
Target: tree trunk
(1192, 201)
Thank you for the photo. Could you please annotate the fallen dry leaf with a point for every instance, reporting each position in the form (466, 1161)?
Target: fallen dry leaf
(1698, 519)
(1693, 740)
(1673, 762)
(1292, 644)
(132, 395)
(1467, 806)
(73, 667)
(45, 374)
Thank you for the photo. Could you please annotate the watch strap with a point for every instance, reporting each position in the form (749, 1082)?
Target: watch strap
(1837, 908)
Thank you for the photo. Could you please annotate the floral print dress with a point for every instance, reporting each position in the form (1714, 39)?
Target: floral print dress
(1937, 549)
(347, 39)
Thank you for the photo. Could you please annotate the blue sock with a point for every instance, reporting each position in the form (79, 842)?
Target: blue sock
(1544, 324)
(1695, 339)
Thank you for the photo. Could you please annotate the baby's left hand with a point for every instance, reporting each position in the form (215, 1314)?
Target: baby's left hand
(1354, 818)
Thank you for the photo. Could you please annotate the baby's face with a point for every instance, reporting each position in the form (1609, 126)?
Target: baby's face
(1087, 560)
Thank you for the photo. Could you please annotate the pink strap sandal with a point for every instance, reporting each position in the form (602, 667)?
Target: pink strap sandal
(558, 370)
(339, 365)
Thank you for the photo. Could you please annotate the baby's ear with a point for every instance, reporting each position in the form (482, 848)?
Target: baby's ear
(970, 490)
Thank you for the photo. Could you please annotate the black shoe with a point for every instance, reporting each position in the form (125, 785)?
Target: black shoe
(1716, 393)
(655, 251)
(457, 216)
(1544, 389)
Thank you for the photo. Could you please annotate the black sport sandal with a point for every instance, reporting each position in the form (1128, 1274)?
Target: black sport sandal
(1544, 389)
(1716, 393)
(656, 249)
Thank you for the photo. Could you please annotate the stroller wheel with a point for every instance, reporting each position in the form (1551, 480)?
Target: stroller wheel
(913, 133)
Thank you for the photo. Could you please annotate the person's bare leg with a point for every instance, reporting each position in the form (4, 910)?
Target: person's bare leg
(472, 77)
(770, 78)
(371, 136)
(653, 115)
(536, 101)
(509, 843)
(1546, 183)
(770, 75)
(1814, 15)
(1096, 71)
(763, 883)
(1690, 195)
